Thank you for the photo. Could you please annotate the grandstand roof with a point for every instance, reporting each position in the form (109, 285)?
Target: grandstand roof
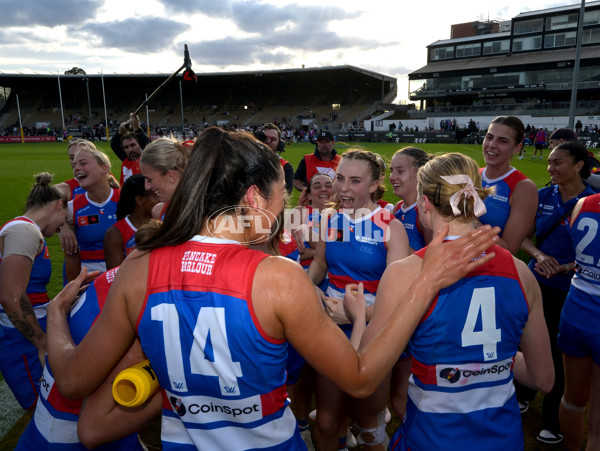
(325, 85)
(588, 5)
(16, 78)
(519, 59)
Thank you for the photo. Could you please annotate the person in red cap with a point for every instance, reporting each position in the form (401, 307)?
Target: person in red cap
(324, 160)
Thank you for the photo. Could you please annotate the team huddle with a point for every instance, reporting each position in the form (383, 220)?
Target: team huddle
(250, 320)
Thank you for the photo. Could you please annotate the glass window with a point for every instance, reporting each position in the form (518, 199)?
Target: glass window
(467, 50)
(441, 53)
(560, 22)
(528, 26)
(530, 43)
(591, 17)
(490, 48)
(560, 39)
(590, 36)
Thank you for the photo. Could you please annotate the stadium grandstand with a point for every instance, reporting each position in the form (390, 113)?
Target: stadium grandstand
(337, 97)
(523, 67)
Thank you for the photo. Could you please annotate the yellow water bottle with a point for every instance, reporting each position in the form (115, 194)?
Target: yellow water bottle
(134, 385)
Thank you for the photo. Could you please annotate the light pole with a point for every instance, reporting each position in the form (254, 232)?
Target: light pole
(87, 87)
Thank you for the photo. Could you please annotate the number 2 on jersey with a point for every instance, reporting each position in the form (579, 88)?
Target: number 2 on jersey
(592, 229)
(483, 301)
(210, 322)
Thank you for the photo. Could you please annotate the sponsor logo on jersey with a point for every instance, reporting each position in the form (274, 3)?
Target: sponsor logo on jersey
(367, 239)
(88, 220)
(450, 374)
(587, 272)
(198, 262)
(473, 373)
(177, 404)
(204, 409)
(335, 235)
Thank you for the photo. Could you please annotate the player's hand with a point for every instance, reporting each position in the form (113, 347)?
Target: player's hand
(65, 299)
(68, 240)
(123, 128)
(546, 266)
(354, 301)
(445, 263)
(134, 121)
(335, 310)
(300, 235)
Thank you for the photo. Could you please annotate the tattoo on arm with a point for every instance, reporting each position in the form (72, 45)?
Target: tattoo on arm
(26, 322)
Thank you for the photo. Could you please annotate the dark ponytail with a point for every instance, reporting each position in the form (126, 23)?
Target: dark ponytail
(221, 168)
(134, 186)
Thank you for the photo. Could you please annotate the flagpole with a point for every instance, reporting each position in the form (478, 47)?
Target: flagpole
(147, 117)
(182, 119)
(20, 122)
(105, 115)
(62, 113)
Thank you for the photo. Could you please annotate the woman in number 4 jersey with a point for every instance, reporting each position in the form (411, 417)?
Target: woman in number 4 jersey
(214, 317)
(464, 350)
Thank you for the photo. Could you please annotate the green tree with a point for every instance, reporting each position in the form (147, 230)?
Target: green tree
(75, 71)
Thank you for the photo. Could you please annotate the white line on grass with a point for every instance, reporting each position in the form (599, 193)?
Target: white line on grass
(10, 410)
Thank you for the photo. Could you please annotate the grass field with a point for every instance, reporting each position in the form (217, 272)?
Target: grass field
(19, 162)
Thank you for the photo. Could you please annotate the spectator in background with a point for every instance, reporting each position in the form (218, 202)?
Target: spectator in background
(127, 145)
(324, 159)
(276, 144)
(540, 142)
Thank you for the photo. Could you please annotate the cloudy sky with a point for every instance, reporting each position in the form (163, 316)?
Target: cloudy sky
(147, 36)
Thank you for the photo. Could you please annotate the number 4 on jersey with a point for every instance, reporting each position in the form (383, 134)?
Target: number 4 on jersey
(211, 320)
(483, 301)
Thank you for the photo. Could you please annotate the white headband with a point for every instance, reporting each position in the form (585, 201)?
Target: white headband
(468, 191)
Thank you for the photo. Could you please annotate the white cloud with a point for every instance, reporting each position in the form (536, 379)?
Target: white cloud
(147, 35)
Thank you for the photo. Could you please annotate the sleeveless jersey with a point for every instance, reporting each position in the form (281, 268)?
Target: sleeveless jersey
(558, 243)
(498, 205)
(75, 188)
(540, 137)
(40, 271)
(461, 388)
(288, 247)
(129, 168)
(409, 217)
(128, 231)
(314, 166)
(222, 377)
(91, 221)
(385, 204)
(55, 417)
(582, 307)
(356, 251)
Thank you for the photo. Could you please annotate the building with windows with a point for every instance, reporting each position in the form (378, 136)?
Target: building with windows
(521, 66)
